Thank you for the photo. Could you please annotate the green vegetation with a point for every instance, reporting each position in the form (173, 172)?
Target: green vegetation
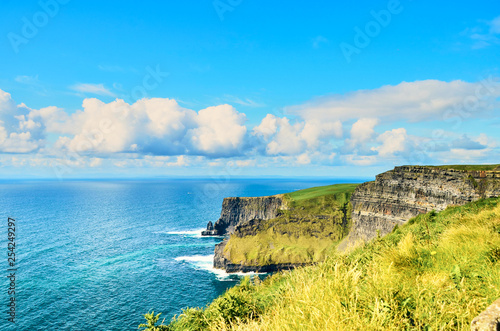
(475, 167)
(151, 320)
(307, 231)
(437, 272)
(336, 190)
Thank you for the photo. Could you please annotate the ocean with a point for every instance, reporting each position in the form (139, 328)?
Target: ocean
(97, 255)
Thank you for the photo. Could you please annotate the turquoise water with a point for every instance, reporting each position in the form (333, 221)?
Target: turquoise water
(96, 255)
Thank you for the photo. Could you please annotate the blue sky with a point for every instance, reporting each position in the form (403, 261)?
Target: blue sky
(245, 88)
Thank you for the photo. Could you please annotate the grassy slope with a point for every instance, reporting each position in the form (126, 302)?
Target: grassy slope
(315, 192)
(305, 233)
(437, 272)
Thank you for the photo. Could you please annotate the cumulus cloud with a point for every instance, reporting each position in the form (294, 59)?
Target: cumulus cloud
(286, 138)
(158, 132)
(20, 132)
(303, 159)
(412, 101)
(362, 131)
(157, 126)
(220, 131)
(393, 142)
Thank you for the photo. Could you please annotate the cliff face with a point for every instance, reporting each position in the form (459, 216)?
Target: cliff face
(400, 194)
(237, 211)
(265, 230)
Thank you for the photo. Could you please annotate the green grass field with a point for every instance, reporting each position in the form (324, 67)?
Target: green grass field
(315, 192)
(437, 272)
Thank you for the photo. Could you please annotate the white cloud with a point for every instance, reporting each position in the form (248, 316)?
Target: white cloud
(285, 138)
(303, 159)
(241, 163)
(393, 142)
(220, 131)
(154, 126)
(413, 101)
(267, 127)
(95, 162)
(166, 161)
(18, 133)
(159, 133)
(362, 131)
(98, 89)
(360, 160)
(315, 131)
(485, 140)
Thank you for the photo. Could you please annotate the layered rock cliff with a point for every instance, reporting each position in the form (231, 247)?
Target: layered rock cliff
(400, 194)
(237, 211)
(264, 230)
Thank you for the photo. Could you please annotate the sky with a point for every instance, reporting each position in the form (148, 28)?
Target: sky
(93, 89)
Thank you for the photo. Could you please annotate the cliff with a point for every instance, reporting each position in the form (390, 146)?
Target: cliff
(437, 271)
(299, 228)
(407, 191)
(240, 210)
(291, 230)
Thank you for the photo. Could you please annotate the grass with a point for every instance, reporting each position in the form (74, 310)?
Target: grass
(307, 232)
(315, 192)
(475, 167)
(437, 272)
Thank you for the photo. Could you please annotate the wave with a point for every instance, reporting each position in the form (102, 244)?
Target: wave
(205, 262)
(188, 233)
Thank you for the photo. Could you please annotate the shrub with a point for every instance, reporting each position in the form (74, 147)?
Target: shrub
(152, 319)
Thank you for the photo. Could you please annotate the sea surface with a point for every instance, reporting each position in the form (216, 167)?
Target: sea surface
(97, 255)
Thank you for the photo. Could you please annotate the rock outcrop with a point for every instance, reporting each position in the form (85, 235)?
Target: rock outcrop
(488, 320)
(237, 211)
(400, 194)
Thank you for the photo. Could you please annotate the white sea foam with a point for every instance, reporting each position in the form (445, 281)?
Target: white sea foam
(205, 262)
(189, 233)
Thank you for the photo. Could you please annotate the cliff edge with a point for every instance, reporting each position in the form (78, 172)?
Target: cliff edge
(237, 211)
(407, 191)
